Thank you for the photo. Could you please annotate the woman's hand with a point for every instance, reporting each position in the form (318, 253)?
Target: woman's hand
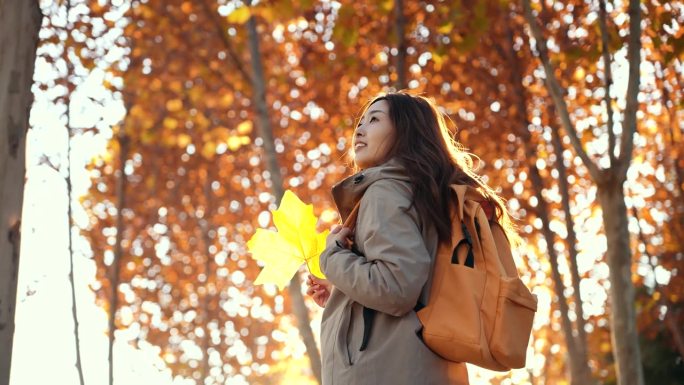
(341, 235)
(319, 289)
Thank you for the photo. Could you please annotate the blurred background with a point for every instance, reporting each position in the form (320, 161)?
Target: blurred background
(161, 133)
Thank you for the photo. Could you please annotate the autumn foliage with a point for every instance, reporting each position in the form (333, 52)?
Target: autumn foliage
(197, 187)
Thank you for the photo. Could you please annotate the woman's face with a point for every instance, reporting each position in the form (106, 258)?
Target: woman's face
(373, 136)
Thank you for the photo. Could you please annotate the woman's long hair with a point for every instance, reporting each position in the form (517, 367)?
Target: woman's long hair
(434, 160)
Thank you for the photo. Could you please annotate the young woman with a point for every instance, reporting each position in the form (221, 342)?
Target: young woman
(405, 160)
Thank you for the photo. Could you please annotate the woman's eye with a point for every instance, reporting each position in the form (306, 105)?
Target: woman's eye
(372, 119)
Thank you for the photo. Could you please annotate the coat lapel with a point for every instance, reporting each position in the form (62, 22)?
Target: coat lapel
(349, 191)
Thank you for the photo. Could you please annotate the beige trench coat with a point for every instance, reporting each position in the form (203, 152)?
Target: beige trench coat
(395, 253)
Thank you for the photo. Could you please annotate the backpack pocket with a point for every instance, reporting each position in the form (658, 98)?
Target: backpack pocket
(513, 323)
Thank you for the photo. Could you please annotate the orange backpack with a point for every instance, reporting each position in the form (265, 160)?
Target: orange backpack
(478, 310)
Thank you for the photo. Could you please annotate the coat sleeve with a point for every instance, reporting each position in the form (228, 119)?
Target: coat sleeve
(391, 275)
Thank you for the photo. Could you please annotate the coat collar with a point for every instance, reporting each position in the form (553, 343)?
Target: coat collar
(349, 191)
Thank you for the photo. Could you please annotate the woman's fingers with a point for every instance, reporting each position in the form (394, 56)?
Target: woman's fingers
(316, 290)
(319, 289)
(320, 297)
(344, 233)
(312, 280)
(341, 235)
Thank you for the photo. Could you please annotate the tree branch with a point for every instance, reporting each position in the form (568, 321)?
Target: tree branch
(608, 78)
(220, 75)
(556, 92)
(672, 122)
(634, 59)
(220, 28)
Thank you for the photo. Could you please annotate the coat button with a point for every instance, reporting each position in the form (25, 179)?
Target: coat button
(358, 179)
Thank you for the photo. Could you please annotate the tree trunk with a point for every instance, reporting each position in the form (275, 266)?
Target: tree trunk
(580, 373)
(70, 223)
(675, 329)
(579, 370)
(74, 312)
(671, 312)
(624, 336)
(205, 226)
(115, 270)
(571, 242)
(609, 183)
(266, 132)
(20, 21)
(400, 27)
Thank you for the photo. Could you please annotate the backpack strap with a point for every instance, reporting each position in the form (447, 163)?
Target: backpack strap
(467, 241)
(489, 209)
(464, 198)
(465, 192)
(350, 222)
(467, 196)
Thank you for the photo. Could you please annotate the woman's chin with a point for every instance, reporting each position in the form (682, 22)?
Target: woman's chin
(361, 163)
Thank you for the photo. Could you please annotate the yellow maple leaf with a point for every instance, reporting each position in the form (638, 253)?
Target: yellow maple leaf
(296, 242)
(240, 15)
